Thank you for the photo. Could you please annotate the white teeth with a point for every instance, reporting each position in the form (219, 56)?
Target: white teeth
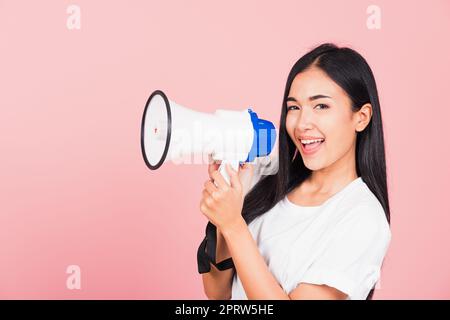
(311, 141)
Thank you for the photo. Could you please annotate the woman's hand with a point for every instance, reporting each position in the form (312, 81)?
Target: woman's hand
(222, 204)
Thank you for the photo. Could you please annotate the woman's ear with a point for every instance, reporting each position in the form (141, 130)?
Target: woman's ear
(363, 117)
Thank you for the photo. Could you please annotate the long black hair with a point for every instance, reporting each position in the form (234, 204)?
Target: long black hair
(351, 72)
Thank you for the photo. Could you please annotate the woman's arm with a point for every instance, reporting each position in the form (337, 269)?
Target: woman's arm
(222, 205)
(216, 283)
(256, 278)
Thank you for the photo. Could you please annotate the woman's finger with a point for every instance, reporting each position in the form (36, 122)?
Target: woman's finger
(210, 187)
(204, 208)
(213, 165)
(220, 180)
(205, 195)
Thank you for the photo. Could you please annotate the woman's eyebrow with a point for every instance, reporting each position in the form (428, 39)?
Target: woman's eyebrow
(315, 97)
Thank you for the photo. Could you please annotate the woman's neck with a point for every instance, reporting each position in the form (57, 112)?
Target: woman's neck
(333, 178)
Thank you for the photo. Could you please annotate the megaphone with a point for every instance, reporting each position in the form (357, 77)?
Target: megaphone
(171, 132)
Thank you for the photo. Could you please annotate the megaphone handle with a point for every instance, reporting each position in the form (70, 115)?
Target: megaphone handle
(223, 170)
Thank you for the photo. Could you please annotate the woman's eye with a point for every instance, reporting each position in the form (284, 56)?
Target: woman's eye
(322, 106)
(292, 108)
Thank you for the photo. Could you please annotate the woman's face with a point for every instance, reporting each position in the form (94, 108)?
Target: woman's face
(320, 120)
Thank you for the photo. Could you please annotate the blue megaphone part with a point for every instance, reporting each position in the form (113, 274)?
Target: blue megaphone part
(263, 139)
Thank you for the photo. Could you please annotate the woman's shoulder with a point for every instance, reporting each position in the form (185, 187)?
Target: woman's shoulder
(362, 210)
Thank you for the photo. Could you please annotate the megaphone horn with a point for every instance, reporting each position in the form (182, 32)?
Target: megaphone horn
(156, 129)
(231, 136)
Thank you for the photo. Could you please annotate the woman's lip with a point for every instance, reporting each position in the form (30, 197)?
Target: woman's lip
(311, 151)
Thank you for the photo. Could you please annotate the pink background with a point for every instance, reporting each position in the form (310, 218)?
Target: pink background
(73, 185)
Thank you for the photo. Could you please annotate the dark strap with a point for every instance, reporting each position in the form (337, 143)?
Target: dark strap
(206, 252)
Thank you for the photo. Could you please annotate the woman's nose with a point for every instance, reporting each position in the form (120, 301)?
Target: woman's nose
(305, 120)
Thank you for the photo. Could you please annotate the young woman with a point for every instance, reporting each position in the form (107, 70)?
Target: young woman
(319, 227)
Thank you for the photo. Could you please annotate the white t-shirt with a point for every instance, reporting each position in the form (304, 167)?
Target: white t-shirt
(341, 243)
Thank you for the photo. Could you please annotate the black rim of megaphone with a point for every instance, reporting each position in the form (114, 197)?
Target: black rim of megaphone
(169, 129)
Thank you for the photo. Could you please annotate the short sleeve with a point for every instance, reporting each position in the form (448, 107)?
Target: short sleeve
(352, 259)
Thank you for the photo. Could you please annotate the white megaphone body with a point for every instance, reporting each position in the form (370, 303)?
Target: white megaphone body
(171, 132)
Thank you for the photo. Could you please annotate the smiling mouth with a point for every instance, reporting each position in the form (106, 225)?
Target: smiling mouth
(310, 146)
